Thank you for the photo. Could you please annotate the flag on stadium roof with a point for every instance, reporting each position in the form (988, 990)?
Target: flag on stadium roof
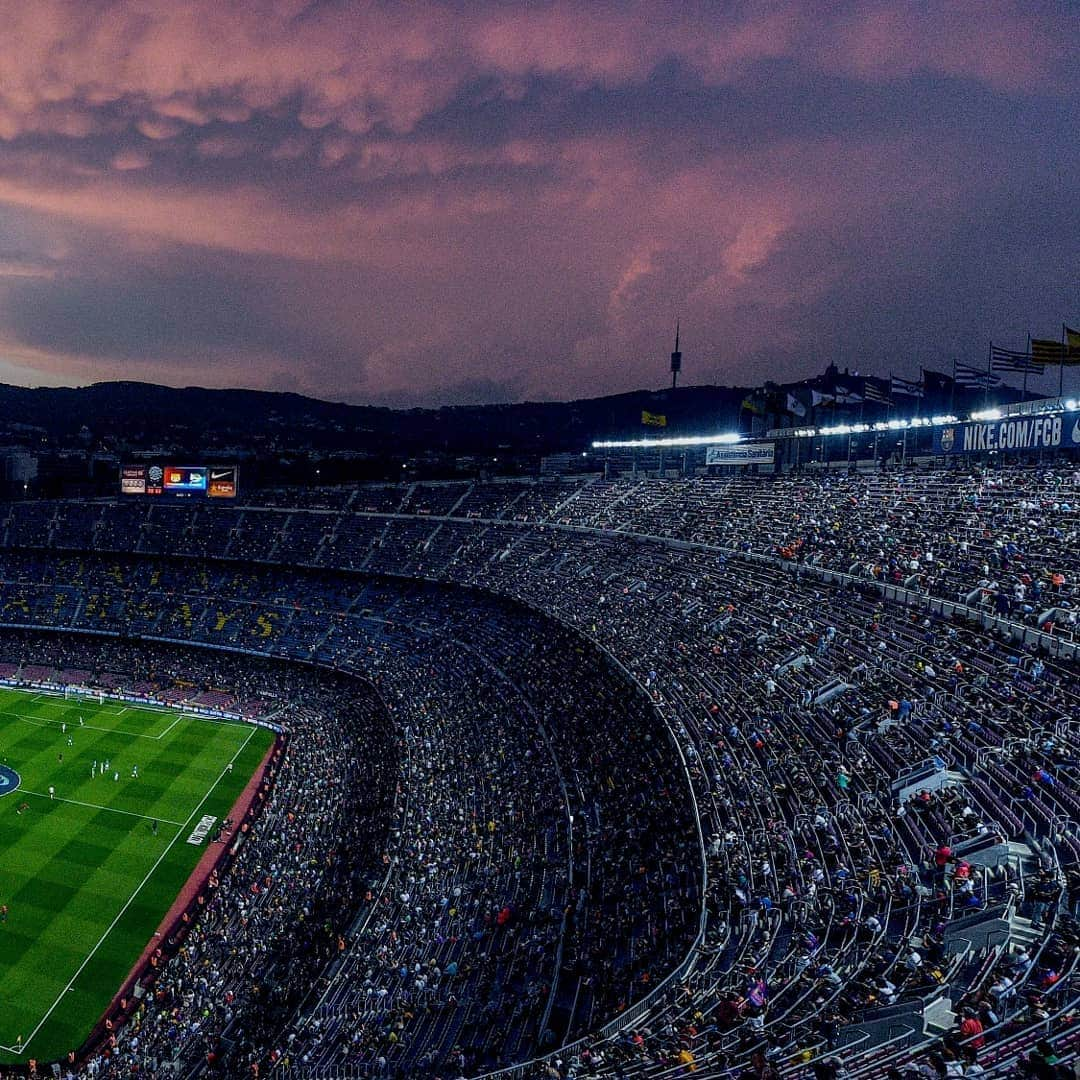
(1069, 349)
(970, 377)
(653, 419)
(847, 397)
(1008, 360)
(907, 387)
(936, 382)
(1045, 351)
(1072, 340)
(881, 395)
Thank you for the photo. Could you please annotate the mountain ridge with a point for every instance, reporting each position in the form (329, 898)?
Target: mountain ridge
(133, 414)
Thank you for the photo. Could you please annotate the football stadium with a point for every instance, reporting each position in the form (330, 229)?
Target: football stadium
(410, 669)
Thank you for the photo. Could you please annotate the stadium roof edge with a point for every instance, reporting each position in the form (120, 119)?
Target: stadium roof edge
(1038, 407)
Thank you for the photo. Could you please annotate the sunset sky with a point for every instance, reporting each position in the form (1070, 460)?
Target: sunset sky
(422, 203)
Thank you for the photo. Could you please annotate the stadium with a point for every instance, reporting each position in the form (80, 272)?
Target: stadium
(727, 772)
(410, 669)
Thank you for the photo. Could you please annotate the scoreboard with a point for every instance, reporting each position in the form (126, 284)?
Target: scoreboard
(180, 481)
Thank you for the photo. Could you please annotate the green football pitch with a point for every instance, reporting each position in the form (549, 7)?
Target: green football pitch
(84, 875)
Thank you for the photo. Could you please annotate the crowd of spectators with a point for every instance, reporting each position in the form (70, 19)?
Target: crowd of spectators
(497, 927)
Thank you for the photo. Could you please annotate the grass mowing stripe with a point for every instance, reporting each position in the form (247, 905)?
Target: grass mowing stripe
(168, 848)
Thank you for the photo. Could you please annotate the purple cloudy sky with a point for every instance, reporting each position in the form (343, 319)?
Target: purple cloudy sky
(471, 201)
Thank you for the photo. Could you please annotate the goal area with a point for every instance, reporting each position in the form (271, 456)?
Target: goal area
(81, 693)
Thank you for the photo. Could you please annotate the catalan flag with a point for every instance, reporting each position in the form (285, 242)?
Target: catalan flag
(1072, 346)
(1045, 351)
(653, 419)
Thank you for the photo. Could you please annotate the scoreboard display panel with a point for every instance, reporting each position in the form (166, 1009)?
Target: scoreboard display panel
(132, 479)
(180, 481)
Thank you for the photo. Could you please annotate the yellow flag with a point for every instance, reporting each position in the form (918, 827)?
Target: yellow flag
(1072, 345)
(653, 419)
(1044, 351)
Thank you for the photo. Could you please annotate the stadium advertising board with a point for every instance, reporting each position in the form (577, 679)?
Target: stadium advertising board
(223, 482)
(1017, 433)
(754, 453)
(180, 481)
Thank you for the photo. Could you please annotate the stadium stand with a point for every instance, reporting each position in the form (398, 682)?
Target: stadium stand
(800, 757)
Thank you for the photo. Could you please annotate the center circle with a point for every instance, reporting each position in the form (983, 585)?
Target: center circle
(9, 780)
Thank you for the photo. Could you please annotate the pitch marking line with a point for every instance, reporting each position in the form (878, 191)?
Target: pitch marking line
(45, 722)
(130, 900)
(169, 728)
(110, 705)
(95, 806)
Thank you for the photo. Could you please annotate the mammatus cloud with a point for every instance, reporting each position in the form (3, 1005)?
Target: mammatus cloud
(412, 202)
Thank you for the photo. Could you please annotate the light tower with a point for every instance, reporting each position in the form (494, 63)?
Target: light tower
(676, 359)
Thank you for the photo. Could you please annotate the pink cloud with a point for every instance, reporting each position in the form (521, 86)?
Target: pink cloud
(505, 172)
(362, 64)
(130, 159)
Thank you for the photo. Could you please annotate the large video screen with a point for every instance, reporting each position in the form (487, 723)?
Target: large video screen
(180, 481)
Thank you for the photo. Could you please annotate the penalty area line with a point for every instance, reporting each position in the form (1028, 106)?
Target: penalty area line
(72, 728)
(96, 806)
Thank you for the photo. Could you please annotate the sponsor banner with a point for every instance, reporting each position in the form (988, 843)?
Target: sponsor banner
(1017, 433)
(755, 453)
(138, 699)
(222, 483)
(202, 830)
(9, 780)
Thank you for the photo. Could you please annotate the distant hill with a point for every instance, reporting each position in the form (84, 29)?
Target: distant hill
(136, 415)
